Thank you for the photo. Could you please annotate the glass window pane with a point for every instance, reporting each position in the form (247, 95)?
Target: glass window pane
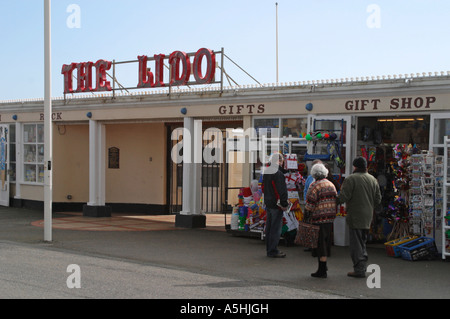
(40, 174)
(29, 133)
(442, 128)
(12, 133)
(268, 124)
(12, 172)
(295, 127)
(30, 173)
(12, 153)
(40, 158)
(29, 153)
(40, 133)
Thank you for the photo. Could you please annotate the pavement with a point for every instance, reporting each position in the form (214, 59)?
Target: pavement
(154, 240)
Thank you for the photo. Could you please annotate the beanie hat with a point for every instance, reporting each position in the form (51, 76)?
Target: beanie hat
(360, 162)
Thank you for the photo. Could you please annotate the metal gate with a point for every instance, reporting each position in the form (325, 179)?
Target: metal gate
(214, 176)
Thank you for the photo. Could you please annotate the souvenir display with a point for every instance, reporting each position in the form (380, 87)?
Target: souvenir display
(250, 214)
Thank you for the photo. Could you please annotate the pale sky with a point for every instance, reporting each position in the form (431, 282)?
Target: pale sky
(321, 39)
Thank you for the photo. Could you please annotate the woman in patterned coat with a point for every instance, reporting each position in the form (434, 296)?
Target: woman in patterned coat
(320, 210)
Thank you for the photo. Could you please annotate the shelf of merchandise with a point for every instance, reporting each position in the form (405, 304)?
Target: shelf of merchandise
(446, 208)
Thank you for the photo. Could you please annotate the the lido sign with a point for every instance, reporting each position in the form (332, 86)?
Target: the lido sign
(180, 66)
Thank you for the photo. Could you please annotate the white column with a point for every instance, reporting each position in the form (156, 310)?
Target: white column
(188, 159)
(93, 177)
(191, 216)
(101, 162)
(192, 166)
(97, 159)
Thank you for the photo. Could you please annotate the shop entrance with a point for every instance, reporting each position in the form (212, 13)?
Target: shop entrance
(220, 179)
(383, 141)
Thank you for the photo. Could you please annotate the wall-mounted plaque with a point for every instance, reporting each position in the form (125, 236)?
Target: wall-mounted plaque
(113, 157)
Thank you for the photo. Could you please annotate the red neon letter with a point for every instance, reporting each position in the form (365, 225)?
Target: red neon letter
(84, 77)
(145, 77)
(101, 67)
(174, 61)
(67, 72)
(159, 70)
(210, 66)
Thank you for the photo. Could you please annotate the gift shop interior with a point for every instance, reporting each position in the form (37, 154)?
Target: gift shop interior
(397, 153)
(389, 144)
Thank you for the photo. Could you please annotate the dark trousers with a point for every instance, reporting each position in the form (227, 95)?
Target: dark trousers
(274, 222)
(358, 252)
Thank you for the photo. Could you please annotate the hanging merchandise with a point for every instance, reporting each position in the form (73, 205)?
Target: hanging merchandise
(398, 210)
(294, 183)
(335, 153)
(332, 147)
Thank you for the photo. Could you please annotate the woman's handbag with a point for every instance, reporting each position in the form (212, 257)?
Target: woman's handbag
(307, 235)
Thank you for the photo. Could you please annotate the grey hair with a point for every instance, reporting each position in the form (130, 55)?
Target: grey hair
(319, 171)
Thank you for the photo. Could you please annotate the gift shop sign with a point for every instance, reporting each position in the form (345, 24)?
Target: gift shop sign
(394, 104)
(91, 77)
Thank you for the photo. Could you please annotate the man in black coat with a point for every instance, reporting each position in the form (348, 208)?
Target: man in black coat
(276, 201)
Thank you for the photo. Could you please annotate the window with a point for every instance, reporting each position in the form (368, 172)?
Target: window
(441, 129)
(288, 129)
(33, 153)
(295, 127)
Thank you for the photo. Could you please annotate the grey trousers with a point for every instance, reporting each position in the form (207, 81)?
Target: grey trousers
(358, 252)
(274, 222)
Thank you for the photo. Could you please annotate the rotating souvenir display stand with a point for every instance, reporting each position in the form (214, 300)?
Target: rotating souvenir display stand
(416, 209)
(425, 194)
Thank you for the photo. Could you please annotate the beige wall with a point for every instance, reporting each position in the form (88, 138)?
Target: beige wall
(139, 180)
(70, 164)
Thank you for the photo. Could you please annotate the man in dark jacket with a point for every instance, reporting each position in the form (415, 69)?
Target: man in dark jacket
(361, 193)
(276, 201)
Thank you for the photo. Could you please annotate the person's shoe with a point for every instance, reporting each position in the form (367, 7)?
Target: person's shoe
(322, 271)
(356, 274)
(277, 255)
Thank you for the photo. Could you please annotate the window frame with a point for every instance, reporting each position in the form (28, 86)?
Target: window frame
(37, 143)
